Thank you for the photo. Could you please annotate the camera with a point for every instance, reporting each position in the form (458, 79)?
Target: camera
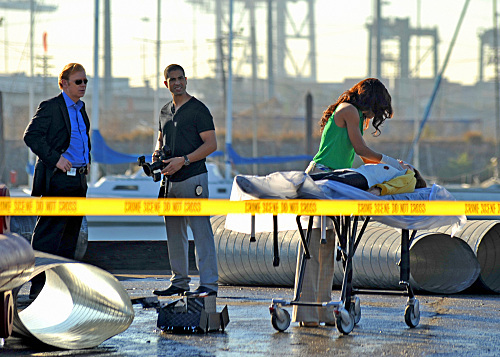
(154, 169)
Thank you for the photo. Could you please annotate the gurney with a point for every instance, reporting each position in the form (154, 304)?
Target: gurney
(298, 185)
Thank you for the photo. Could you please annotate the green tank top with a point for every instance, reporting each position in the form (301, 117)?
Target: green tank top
(335, 149)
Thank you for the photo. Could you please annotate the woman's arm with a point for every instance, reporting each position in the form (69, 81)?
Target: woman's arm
(347, 116)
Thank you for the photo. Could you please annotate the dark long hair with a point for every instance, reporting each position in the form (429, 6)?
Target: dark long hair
(369, 94)
(420, 180)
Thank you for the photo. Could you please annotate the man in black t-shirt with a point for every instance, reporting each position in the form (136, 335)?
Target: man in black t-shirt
(187, 127)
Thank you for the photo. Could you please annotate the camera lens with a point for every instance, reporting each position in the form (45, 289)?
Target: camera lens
(147, 169)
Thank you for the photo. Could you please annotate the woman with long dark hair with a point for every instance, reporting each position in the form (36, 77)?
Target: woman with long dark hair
(342, 125)
(344, 122)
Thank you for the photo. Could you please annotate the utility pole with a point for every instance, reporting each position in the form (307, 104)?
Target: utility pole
(270, 52)
(309, 119)
(253, 41)
(378, 46)
(229, 102)
(31, 6)
(143, 54)
(416, 149)
(3, 23)
(157, 74)
(94, 168)
(497, 96)
(497, 89)
(31, 87)
(2, 142)
(108, 77)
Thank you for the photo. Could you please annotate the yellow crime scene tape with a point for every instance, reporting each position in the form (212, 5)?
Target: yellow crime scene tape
(68, 206)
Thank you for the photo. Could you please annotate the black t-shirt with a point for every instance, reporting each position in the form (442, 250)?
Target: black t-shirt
(192, 118)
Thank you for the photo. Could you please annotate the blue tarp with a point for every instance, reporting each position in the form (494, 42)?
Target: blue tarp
(239, 160)
(103, 154)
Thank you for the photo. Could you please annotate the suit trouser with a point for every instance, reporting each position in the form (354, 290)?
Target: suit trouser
(177, 239)
(58, 235)
(318, 279)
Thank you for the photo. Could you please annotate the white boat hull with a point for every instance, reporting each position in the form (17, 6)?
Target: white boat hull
(102, 228)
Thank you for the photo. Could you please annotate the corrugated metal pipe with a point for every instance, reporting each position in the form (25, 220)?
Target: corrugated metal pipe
(439, 263)
(483, 236)
(242, 262)
(80, 305)
(17, 260)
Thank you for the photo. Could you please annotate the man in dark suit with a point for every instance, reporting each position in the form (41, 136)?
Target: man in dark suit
(59, 135)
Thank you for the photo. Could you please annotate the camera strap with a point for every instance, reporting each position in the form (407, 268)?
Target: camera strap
(174, 135)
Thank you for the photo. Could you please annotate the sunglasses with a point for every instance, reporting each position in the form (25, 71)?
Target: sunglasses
(79, 81)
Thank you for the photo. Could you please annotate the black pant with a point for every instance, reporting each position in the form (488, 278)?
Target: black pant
(349, 177)
(58, 235)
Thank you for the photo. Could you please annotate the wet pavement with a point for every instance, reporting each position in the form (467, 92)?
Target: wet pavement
(451, 325)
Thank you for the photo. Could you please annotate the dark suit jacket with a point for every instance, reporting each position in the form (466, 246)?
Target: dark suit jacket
(48, 135)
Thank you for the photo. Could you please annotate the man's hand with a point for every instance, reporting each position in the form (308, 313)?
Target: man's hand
(156, 155)
(63, 164)
(174, 165)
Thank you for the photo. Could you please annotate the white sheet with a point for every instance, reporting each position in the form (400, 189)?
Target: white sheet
(298, 185)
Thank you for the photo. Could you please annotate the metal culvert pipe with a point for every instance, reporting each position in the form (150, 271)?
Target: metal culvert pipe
(80, 305)
(375, 260)
(17, 260)
(483, 236)
(439, 263)
(241, 262)
(442, 264)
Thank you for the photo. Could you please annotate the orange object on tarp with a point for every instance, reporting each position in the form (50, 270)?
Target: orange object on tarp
(13, 177)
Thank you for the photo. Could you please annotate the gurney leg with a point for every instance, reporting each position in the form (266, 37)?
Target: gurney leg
(252, 233)
(350, 235)
(345, 312)
(305, 244)
(412, 310)
(404, 272)
(323, 229)
(276, 258)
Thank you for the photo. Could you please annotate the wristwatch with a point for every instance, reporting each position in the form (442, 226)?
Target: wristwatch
(186, 161)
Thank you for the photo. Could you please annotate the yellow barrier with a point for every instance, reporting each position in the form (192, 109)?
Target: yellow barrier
(68, 206)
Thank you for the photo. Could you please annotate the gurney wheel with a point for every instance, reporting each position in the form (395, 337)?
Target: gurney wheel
(344, 320)
(355, 309)
(280, 319)
(412, 314)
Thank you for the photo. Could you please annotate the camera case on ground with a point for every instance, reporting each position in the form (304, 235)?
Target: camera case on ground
(192, 315)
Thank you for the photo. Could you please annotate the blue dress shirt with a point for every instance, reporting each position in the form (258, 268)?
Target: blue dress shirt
(78, 150)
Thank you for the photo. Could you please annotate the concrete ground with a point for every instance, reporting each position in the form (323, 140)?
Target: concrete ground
(451, 325)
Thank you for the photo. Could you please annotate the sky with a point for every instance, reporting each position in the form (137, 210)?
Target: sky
(188, 36)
